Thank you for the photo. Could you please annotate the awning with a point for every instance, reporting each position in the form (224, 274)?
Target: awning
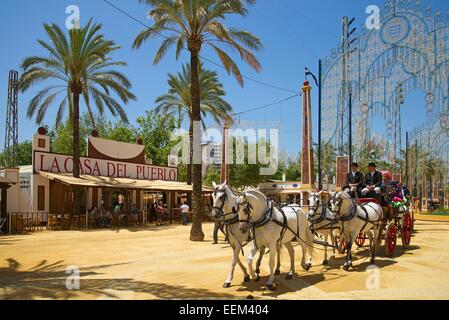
(6, 181)
(121, 183)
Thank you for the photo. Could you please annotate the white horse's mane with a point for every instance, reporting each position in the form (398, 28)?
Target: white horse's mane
(255, 192)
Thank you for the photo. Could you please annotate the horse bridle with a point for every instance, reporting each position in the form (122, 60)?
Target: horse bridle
(247, 210)
(313, 221)
(224, 199)
(337, 201)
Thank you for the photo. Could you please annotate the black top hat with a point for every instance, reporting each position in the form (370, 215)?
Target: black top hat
(372, 164)
(355, 164)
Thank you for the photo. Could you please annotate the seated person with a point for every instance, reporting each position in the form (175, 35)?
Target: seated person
(373, 181)
(354, 180)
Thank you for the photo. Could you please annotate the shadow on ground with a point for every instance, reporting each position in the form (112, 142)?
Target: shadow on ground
(48, 281)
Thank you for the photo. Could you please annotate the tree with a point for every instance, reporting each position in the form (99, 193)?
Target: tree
(192, 24)
(24, 154)
(121, 131)
(155, 131)
(81, 65)
(178, 101)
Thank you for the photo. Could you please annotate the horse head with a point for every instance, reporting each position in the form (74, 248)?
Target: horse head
(314, 203)
(244, 211)
(337, 201)
(222, 198)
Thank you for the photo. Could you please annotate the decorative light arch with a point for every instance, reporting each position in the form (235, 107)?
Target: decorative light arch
(410, 51)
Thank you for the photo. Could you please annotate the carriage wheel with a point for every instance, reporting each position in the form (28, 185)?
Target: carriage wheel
(406, 230)
(390, 239)
(341, 245)
(360, 240)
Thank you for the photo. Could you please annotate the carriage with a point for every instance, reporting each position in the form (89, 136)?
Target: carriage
(397, 222)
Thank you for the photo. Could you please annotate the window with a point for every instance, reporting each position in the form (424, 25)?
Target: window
(41, 143)
(41, 198)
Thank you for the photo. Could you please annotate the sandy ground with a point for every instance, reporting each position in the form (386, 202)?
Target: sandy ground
(160, 263)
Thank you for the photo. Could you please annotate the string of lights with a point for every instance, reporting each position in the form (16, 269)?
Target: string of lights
(203, 58)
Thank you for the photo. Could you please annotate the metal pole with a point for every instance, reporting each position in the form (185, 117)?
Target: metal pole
(320, 174)
(350, 128)
(407, 173)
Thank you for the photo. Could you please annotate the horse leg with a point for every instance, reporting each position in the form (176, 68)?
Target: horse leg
(250, 258)
(376, 236)
(270, 285)
(325, 261)
(235, 258)
(348, 262)
(246, 277)
(291, 253)
(371, 249)
(333, 243)
(278, 262)
(259, 260)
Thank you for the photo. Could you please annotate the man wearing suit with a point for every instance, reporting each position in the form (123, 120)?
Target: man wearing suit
(354, 179)
(373, 180)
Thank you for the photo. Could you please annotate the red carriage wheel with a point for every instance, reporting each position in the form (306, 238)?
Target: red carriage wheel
(406, 230)
(341, 245)
(360, 240)
(390, 239)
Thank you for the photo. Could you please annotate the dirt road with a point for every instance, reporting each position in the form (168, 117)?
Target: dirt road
(160, 263)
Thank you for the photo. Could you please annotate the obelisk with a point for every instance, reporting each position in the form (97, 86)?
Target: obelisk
(307, 164)
(224, 152)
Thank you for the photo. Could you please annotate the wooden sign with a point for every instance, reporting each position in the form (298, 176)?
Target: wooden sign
(342, 171)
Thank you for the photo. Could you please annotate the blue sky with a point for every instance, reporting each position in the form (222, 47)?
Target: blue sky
(295, 33)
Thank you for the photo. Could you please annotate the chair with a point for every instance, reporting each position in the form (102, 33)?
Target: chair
(2, 223)
(82, 221)
(17, 223)
(53, 222)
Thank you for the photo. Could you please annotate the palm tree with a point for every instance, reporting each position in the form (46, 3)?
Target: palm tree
(78, 64)
(192, 24)
(178, 102)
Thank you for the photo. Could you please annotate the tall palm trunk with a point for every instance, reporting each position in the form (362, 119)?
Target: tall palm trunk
(189, 165)
(76, 89)
(196, 233)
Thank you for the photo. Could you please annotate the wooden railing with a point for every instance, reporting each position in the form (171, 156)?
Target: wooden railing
(20, 222)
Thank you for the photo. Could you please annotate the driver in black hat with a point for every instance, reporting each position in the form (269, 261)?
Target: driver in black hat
(354, 179)
(373, 180)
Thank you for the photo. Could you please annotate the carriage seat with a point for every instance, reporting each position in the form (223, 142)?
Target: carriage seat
(366, 200)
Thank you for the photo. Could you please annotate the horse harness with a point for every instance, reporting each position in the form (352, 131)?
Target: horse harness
(268, 217)
(354, 214)
(331, 225)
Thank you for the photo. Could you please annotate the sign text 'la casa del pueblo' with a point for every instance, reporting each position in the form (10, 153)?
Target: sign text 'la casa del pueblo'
(59, 163)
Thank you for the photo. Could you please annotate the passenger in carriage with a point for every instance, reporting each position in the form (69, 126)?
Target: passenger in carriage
(354, 181)
(373, 181)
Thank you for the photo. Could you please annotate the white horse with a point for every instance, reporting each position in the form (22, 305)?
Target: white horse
(322, 221)
(355, 219)
(271, 227)
(224, 202)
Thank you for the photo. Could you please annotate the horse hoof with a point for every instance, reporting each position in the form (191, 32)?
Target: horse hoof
(277, 272)
(271, 287)
(246, 279)
(289, 277)
(257, 270)
(308, 266)
(257, 278)
(346, 267)
(226, 285)
(325, 262)
(372, 261)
